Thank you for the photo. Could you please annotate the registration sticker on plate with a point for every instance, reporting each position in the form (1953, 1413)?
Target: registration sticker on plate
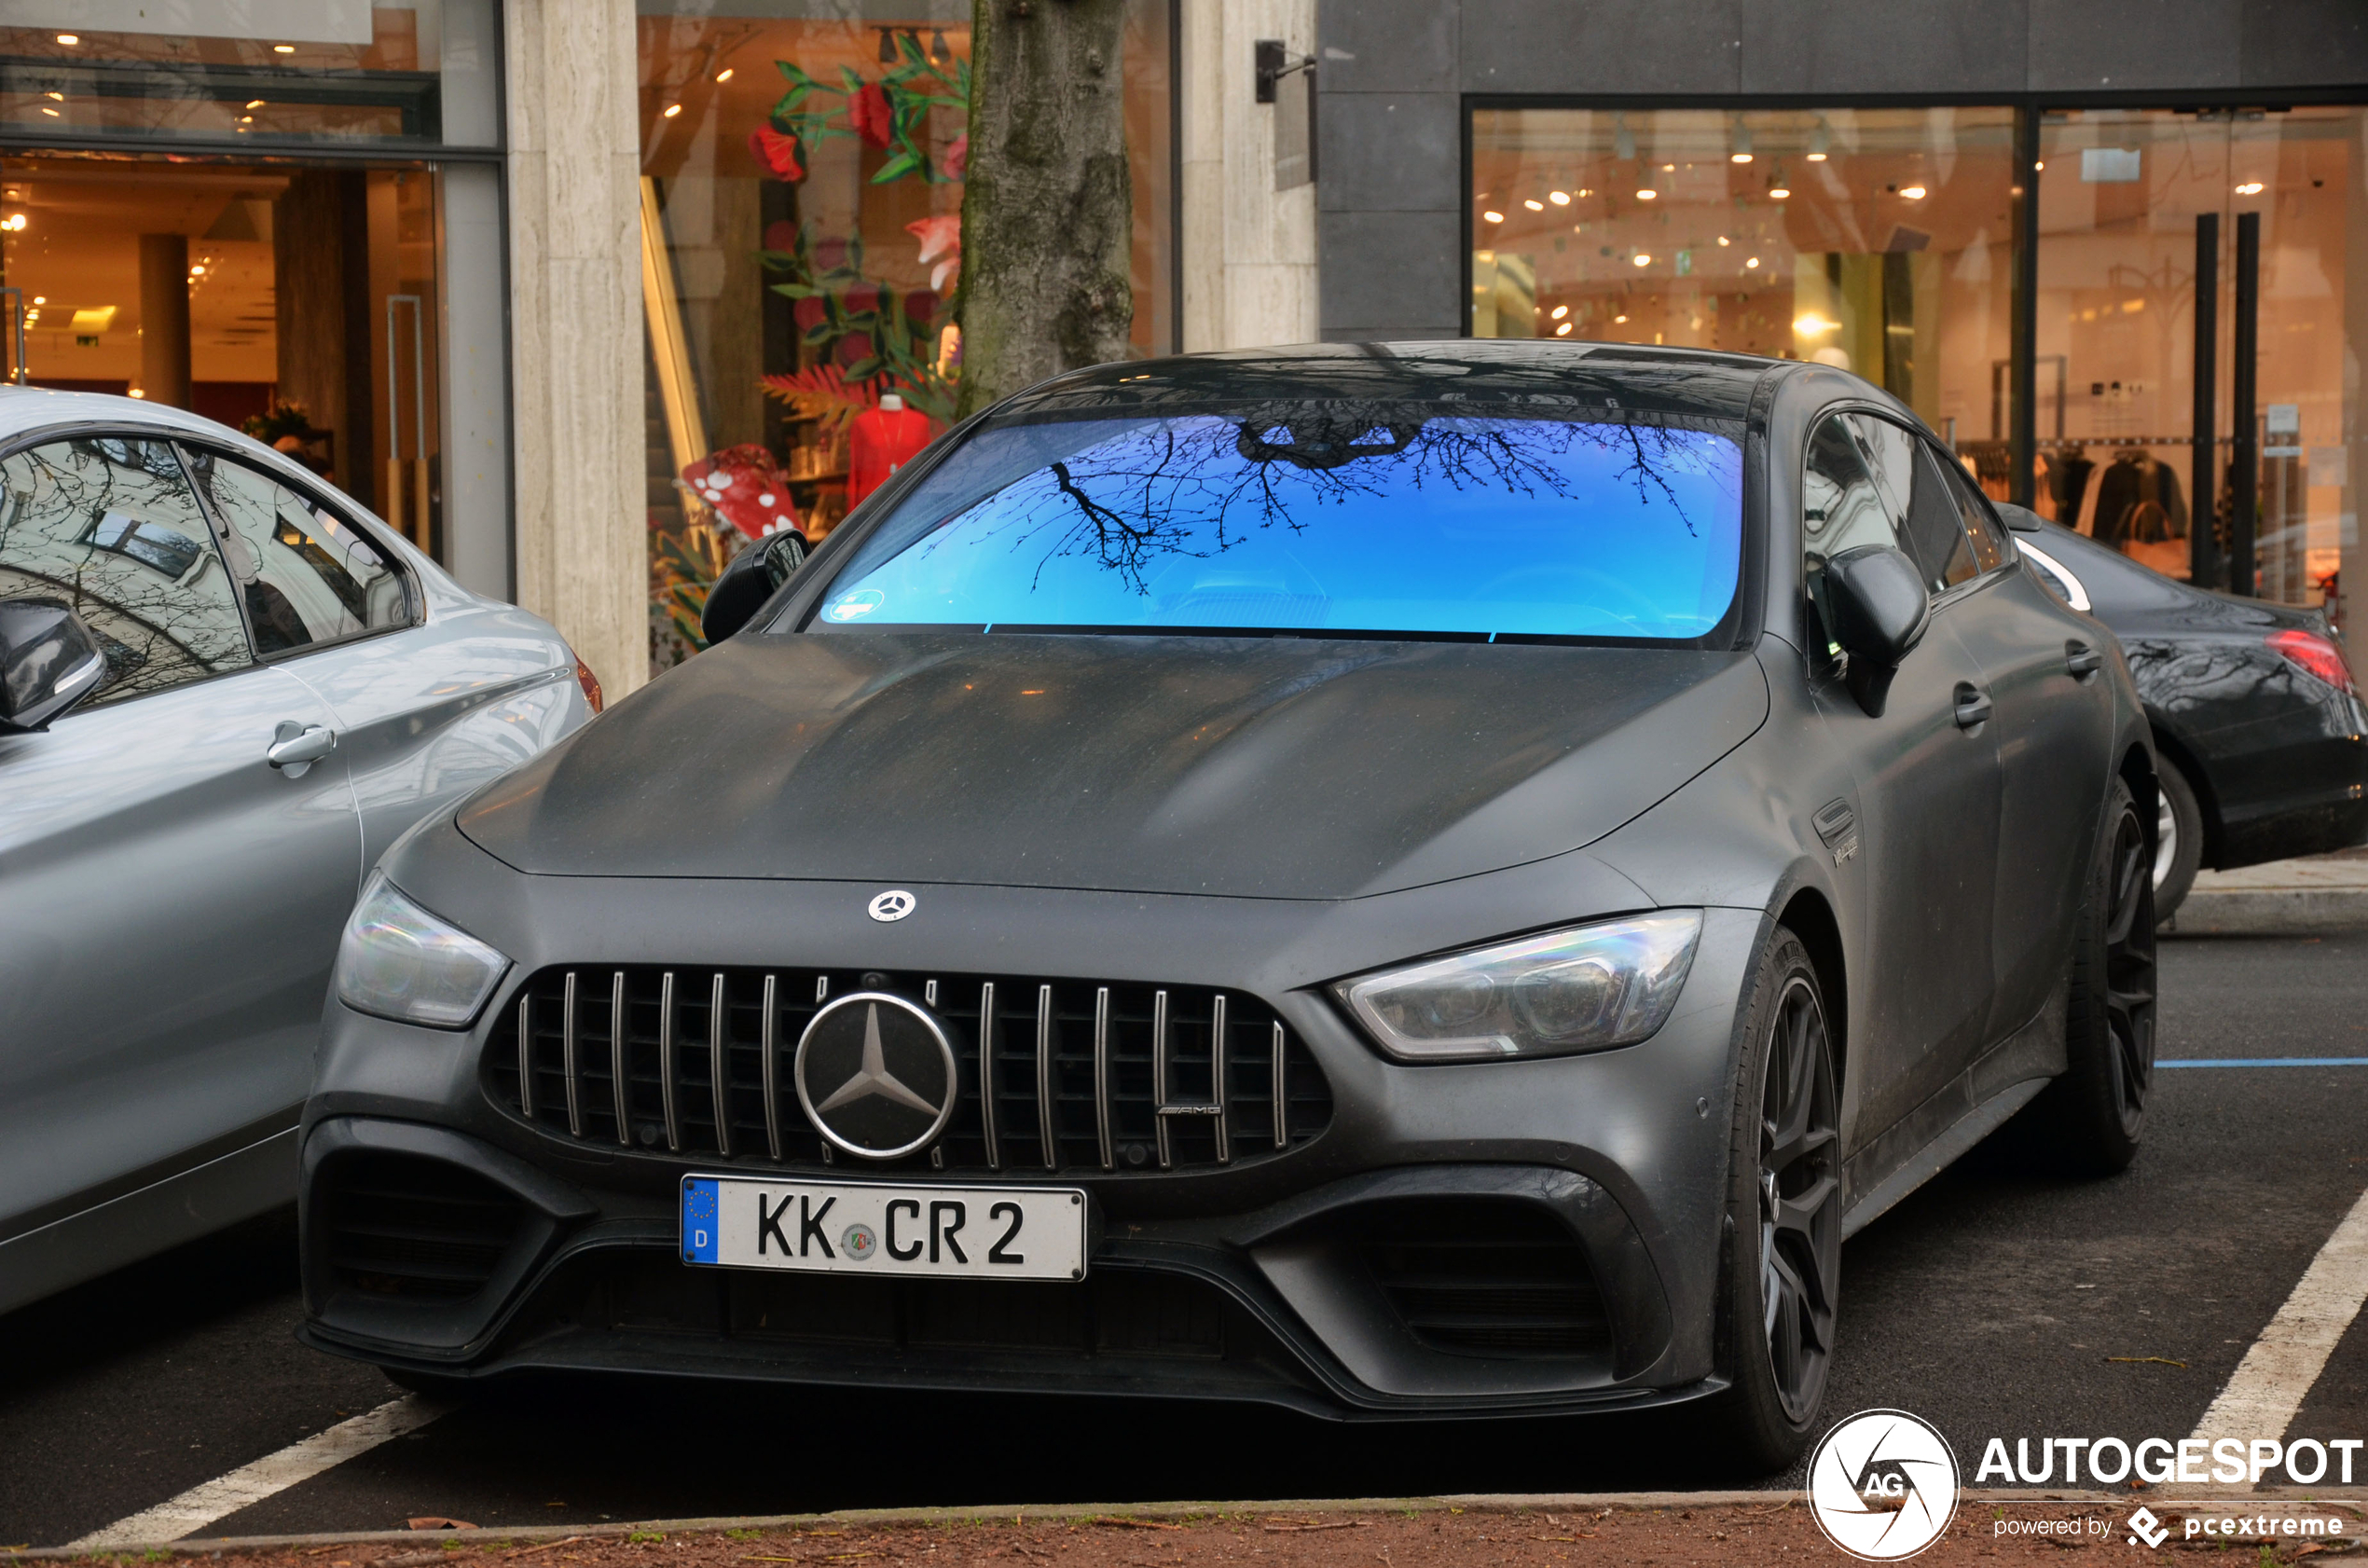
(862, 1228)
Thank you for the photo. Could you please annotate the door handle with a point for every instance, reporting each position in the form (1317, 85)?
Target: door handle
(2083, 660)
(298, 746)
(1972, 706)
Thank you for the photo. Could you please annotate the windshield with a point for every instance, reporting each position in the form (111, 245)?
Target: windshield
(1387, 520)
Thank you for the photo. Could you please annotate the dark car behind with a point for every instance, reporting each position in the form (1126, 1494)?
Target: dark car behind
(2258, 723)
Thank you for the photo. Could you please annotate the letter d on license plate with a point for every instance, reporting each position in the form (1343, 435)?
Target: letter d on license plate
(861, 1228)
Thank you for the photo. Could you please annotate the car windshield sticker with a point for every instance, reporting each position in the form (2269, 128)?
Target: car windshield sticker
(855, 606)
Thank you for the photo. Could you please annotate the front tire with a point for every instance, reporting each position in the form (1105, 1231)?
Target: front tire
(2095, 1115)
(1784, 1210)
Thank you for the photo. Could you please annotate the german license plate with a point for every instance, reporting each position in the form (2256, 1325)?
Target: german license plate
(861, 1228)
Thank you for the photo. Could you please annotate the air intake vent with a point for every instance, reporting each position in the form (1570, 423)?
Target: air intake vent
(1076, 1074)
(401, 1225)
(1498, 1279)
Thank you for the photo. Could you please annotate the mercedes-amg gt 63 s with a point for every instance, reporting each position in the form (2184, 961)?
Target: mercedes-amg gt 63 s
(1396, 881)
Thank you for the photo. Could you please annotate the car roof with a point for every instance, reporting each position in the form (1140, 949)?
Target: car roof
(24, 409)
(1491, 372)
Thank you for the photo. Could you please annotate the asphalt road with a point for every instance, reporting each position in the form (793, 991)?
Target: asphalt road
(1995, 1303)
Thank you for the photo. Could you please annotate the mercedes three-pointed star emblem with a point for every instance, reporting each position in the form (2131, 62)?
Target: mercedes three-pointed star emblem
(876, 1075)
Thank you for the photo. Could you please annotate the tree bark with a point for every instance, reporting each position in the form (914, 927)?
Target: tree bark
(1046, 207)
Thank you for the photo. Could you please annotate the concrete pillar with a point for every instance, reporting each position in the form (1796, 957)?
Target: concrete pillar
(575, 329)
(1248, 249)
(164, 318)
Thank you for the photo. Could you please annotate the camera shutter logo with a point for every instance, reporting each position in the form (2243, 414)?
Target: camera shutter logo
(1883, 1485)
(894, 904)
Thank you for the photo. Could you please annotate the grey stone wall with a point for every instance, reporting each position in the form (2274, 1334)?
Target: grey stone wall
(1390, 219)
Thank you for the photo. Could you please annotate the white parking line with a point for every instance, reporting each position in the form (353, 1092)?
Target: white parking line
(224, 1495)
(2268, 1388)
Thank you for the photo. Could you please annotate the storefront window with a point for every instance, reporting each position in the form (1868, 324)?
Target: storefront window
(301, 304)
(345, 71)
(802, 192)
(2123, 196)
(1879, 241)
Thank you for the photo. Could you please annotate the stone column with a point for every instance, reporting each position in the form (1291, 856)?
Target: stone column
(575, 332)
(1248, 249)
(164, 318)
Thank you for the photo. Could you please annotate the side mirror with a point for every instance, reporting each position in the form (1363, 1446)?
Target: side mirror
(744, 585)
(49, 661)
(1875, 609)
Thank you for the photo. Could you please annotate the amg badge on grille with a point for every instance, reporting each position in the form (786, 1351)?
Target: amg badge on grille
(876, 1075)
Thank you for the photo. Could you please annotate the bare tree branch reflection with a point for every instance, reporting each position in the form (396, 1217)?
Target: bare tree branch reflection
(1197, 487)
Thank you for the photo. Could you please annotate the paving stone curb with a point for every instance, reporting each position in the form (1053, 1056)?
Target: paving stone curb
(2271, 912)
(209, 1545)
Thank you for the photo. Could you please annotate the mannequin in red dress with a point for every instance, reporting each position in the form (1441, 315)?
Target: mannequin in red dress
(881, 441)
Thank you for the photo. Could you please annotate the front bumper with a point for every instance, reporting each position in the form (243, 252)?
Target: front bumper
(1268, 1280)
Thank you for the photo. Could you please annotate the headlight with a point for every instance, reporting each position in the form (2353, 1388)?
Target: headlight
(1588, 988)
(400, 962)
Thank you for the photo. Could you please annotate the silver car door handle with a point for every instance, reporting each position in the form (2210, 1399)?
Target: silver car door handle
(295, 746)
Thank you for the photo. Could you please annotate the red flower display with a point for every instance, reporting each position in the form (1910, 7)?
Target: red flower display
(810, 312)
(853, 348)
(956, 164)
(860, 298)
(867, 113)
(777, 152)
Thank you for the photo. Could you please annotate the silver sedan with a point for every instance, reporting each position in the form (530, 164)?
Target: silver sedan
(225, 689)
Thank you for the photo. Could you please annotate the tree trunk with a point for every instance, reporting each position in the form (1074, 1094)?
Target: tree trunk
(1047, 209)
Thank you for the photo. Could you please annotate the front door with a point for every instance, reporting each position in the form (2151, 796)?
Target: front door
(1926, 806)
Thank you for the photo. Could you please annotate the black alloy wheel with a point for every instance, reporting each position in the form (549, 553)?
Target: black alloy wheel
(2129, 971)
(1781, 1281)
(2093, 1116)
(1801, 1196)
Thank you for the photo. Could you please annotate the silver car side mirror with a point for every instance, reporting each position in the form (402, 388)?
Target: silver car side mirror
(49, 661)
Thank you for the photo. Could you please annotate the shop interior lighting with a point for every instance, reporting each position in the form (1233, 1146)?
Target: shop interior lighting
(1750, 262)
(1738, 144)
(1563, 330)
(46, 110)
(197, 269)
(1533, 205)
(672, 110)
(1559, 198)
(1724, 241)
(1558, 312)
(723, 76)
(1491, 217)
(1820, 140)
(1779, 193)
(2250, 187)
(254, 102)
(14, 223)
(1619, 320)
(1813, 326)
(283, 49)
(1584, 191)
(138, 391)
(1668, 169)
(69, 40)
(41, 299)
(1642, 258)
(1647, 194)
(1913, 193)
(59, 96)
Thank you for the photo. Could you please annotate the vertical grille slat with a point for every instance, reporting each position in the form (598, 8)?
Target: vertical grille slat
(1118, 1077)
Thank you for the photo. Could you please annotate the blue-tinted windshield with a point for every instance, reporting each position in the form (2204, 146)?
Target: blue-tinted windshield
(1424, 525)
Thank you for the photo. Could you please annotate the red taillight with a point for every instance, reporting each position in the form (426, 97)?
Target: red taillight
(590, 682)
(2313, 654)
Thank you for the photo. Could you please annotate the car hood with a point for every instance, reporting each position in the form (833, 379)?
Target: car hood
(1256, 767)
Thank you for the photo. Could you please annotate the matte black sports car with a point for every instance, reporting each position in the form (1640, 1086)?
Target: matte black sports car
(1393, 880)
(2261, 744)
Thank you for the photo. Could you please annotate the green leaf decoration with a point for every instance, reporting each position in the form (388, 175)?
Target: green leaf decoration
(903, 163)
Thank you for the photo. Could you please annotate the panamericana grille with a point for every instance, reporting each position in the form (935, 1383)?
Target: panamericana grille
(1490, 1279)
(1079, 1074)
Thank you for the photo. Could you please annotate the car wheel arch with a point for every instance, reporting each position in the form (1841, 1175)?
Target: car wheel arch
(1809, 915)
(2137, 770)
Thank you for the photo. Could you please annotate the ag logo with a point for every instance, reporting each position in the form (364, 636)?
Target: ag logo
(894, 904)
(1882, 1485)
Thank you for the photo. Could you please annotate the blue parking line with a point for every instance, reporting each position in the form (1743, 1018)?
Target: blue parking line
(2262, 1062)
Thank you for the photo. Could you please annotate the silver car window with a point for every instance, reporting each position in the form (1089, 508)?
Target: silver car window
(309, 575)
(110, 527)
